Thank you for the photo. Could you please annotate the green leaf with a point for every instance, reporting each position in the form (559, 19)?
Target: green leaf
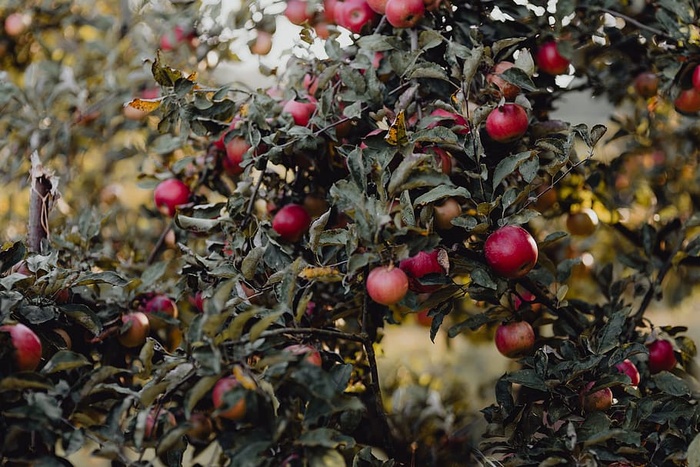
(519, 78)
(326, 458)
(264, 323)
(609, 336)
(25, 381)
(200, 389)
(83, 316)
(65, 360)
(671, 384)
(250, 263)
(11, 255)
(403, 172)
(441, 192)
(509, 165)
(528, 378)
(106, 277)
(327, 438)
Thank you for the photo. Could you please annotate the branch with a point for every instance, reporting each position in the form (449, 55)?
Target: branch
(636, 23)
(159, 243)
(41, 199)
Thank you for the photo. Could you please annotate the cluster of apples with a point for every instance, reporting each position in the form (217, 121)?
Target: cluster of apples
(686, 102)
(153, 316)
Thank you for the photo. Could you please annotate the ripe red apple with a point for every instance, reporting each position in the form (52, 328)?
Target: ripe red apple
(377, 5)
(507, 123)
(696, 77)
(527, 298)
(511, 251)
(404, 13)
(387, 285)
(550, 61)
(457, 122)
(582, 223)
(17, 23)
(445, 212)
(597, 401)
(291, 222)
(235, 151)
(443, 157)
(178, 35)
(297, 12)
(169, 194)
(158, 422)
(221, 388)
(27, 354)
(300, 111)
(646, 84)
(135, 335)
(688, 101)
(419, 266)
(329, 10)
(515, 339)
(661, 356)
(311, 354)
(353, 15)
(197, 301)
(630, 369)
(262, 44)
(509, 90)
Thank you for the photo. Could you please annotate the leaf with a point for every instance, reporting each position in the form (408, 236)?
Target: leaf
(326, 458)
(64, 360)
(671, 384)
(106, 277)
(163, 74)
(327, 438)
(397, 135)
(441, 192)
(471, 63)
(200, 389)
(264, 323)
(144, 105)
(23, 381)
(609, 336)
(508, 165)
(196, 224)
(519, 78)
(251, 261)
(317, 228)
(37, 315)
(528, 378)
(11, 255)
(403, 172)
(694, 452)
(83, 316)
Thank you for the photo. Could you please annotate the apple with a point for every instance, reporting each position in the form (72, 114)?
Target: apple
(646, 84)
(201, 428)
(315, 205)
(550, 61)
(158, 307)
(329, 10)
(514, 339)
(404, 13)
(291, 222)
(525, 298)
(507, 123)
(17, 24)
(445, 212)
(322, 29)
(353, 15)
(262, 44)
(300, 111)
(197, 301)
(597, 401)
(377, 5)
(423, 319)
(458, 123)
(170, 194)
(297, 12)
(27, 354)
(509, 90)
(235, 151)
(582, 223)
(172, 39)
(696, 77)
(444, 159)
(511, 252)
(661, 356)
(688, 101)
(157, 422)
(311, 355)
(139, 327)
(221, 388)
(630, 369)
(419, 266)
(387, 285)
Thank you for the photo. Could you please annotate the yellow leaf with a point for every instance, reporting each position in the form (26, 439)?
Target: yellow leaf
(397, 135)
(144, 105)
(323, 274)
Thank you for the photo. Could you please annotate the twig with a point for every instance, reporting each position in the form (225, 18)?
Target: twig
(159, 243)
(41, 198)
(253, 197)
(633, 21)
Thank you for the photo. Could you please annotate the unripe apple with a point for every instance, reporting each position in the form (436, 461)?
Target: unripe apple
(404, 13)
(696, 77)
(291, 222)
(445, 212)
(139, 327)
(17, 24)
(509, 90)
(353, 15)
(235, 151)
(169, 194)
(688, 101)
(661, 356)
(515, 339)
(421, 265)
(387, 285)
(300, 111)
(311, 354)
(262, 44)
(297, 12)
(582, 223)
(221, 388)
(550, 61)
(27, 354)
(597, 401)
(158, 307)
(507, 123)
(646, 84)
(377, 5)
(511, 252)
(630, 369)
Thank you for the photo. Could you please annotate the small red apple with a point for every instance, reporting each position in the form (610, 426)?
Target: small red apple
(445, 212)
(139, 327)
(301, 112)
(17, 23)
(630, 369)
(329, 10)
(291, 222)
(515, 339)
(169, 194)
(178, 35)
(262, 44)
(419, 266)
(297, 12)
(387, 285)
(507, 123)
(696, 77)
(687, 102)
(597, 401)
(311, 354)
(354, 15)
(511, 251)
(221, 388)
(404, 13)
(235, 151)
(457, 122)
(661, 356)
(27, 354)
(197, 301)
(646, 84)
(509, 90)
(377, 5)
(158, 307)
(550, 61)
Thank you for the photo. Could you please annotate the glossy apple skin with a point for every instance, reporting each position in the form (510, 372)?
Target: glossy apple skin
(507, 123)
(514, 339)
(421, 265)
(378, 5)
(550, 61)
(169, 194)
(311, 355)
(291, 222)
(329, 10)
(223, 386)
(597, 401)
(688, 101)
(509, 90)
(404, 13)
(387, 285)
(297, 12)
(300, 111)
(136, 335)
(511, 252)
(235, 151)
(353, 15)
(646, 84)
(630, 369)
(27, 344)
(661, 356)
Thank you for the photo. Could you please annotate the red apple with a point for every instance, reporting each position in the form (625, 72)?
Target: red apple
(515, 339)
(169, 194)
(661, 356)
(297, 12)
(160, 305)
(197, 301)
(507, 123)
(387, 285)
(17, 23)
(646, 84)
(696, 77)
(419, 266)
(377, 5)
(630, 369)
(177, 36)
(353, 15)
(158, 422)
(597, 401)
(311, 354)
(235, 151)
(300, 111)
(550, 61)
(455, 121)
(404, 13)
(201, 428)
(221, 388)
(329, 10)
(511, 251)
(139, 327)
(445, 212)
(443, 158)
(509, 90)
(527, 298)
(688, 101)
(27, 354)
(262, 44)
(291, 222)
